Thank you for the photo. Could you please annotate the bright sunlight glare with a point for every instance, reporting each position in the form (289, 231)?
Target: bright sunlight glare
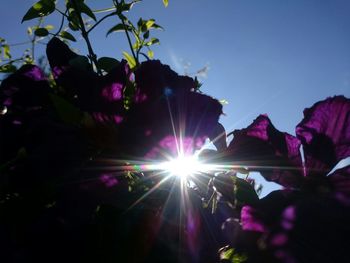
(182, 166)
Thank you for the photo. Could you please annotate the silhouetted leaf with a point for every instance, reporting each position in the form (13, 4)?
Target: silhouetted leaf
(66, 35)
(245, 192)
(66, 111)
(40, 9)
(8, 68)
(86, 10)
(41, 32)
(117, 28)
(124, 7)
(107, 63)
(152, 41)
(73, 26)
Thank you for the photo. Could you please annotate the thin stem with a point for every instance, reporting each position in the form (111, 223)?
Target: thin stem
(99, 21)
(129, 40)
(33, 40)
(20, 44)
(84, 33)
(64, 14)
(62, 22)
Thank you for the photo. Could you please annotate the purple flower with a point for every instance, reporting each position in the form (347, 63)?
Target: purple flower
(324, 134)
(166, 105)
(311, 216)
(101, 96)
(263, 148)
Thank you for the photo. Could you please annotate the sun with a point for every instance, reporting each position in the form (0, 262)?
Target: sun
(182, 166)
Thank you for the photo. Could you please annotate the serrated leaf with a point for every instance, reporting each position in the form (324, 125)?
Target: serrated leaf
(66, 35)
(117, 28)
(41, 32)
(39, 9)
(130, 59)
(166, 3)
(107, 63)
(66, 111)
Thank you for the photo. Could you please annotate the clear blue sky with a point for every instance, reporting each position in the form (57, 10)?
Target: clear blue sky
(265, 56)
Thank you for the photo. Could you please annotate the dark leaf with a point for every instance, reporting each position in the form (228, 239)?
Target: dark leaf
(66, 35)
(118, 28)
(40, 9)
(152, 42)
(8, 68)
(107, 63)
(86, 10)
(66, 111)
(41, 32)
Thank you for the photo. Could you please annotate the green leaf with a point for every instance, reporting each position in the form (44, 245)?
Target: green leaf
(73, 20)
(124, 7)
(105, 10)
(150, 23)
(230, 255)
(146, 34)
(152, 42)
(41, 32)
(49, 27)
(8, 68)
(7, 54)
(165, 2)
(118, 28)
(107, 63)
(66, 35)
(73, 26)
(86, 10)
(156, 26)
(150, 54)
(66, 111)
(39, 9)
(130, 59)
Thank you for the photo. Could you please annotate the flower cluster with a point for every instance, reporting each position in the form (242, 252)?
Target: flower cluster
(62, 146)
(305, 222)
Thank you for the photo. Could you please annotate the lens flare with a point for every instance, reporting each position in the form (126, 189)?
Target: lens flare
(182, 166)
